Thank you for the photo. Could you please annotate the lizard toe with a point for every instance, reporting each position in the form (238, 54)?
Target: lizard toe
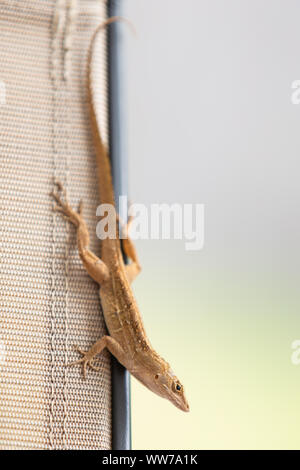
(93, 367)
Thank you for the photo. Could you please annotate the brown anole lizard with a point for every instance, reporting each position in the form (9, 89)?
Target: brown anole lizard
(127, 340)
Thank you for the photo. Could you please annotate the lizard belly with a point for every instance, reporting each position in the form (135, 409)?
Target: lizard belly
(123, 321)
(116, 320)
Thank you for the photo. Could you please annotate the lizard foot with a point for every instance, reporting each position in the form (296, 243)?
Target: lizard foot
(63, 206)
(86, 361)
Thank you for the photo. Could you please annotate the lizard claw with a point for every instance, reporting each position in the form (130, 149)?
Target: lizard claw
(60, 187)
(58, 200)
(86, 361)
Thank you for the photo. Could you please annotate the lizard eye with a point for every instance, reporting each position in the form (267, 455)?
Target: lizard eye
(177, 387)
(156, 377)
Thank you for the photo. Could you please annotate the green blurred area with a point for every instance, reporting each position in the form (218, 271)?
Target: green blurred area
(229, 341)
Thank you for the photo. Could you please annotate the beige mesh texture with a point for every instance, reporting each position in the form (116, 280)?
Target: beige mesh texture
(47, 301)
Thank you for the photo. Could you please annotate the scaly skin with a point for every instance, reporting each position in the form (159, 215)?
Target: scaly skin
(127, 339)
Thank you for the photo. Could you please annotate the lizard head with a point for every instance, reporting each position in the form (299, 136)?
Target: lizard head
(168, 386)
(162, 381)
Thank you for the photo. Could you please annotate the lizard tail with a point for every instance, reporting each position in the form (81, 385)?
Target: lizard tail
(103, 161)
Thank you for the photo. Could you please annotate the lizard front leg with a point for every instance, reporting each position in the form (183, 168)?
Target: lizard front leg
(105, 342)
(94, 265)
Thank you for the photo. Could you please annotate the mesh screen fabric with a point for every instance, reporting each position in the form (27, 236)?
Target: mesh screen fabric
(47, 301)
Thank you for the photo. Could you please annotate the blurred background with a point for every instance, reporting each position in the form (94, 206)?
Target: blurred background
(211, 121)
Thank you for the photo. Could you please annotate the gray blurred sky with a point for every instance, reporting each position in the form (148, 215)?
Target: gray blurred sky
(211, 121)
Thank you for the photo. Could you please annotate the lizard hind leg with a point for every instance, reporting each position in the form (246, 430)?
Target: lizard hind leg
(93, 265)
(134, 268)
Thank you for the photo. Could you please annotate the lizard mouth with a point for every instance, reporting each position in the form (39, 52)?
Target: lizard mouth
(184, 407)
(181, 404)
